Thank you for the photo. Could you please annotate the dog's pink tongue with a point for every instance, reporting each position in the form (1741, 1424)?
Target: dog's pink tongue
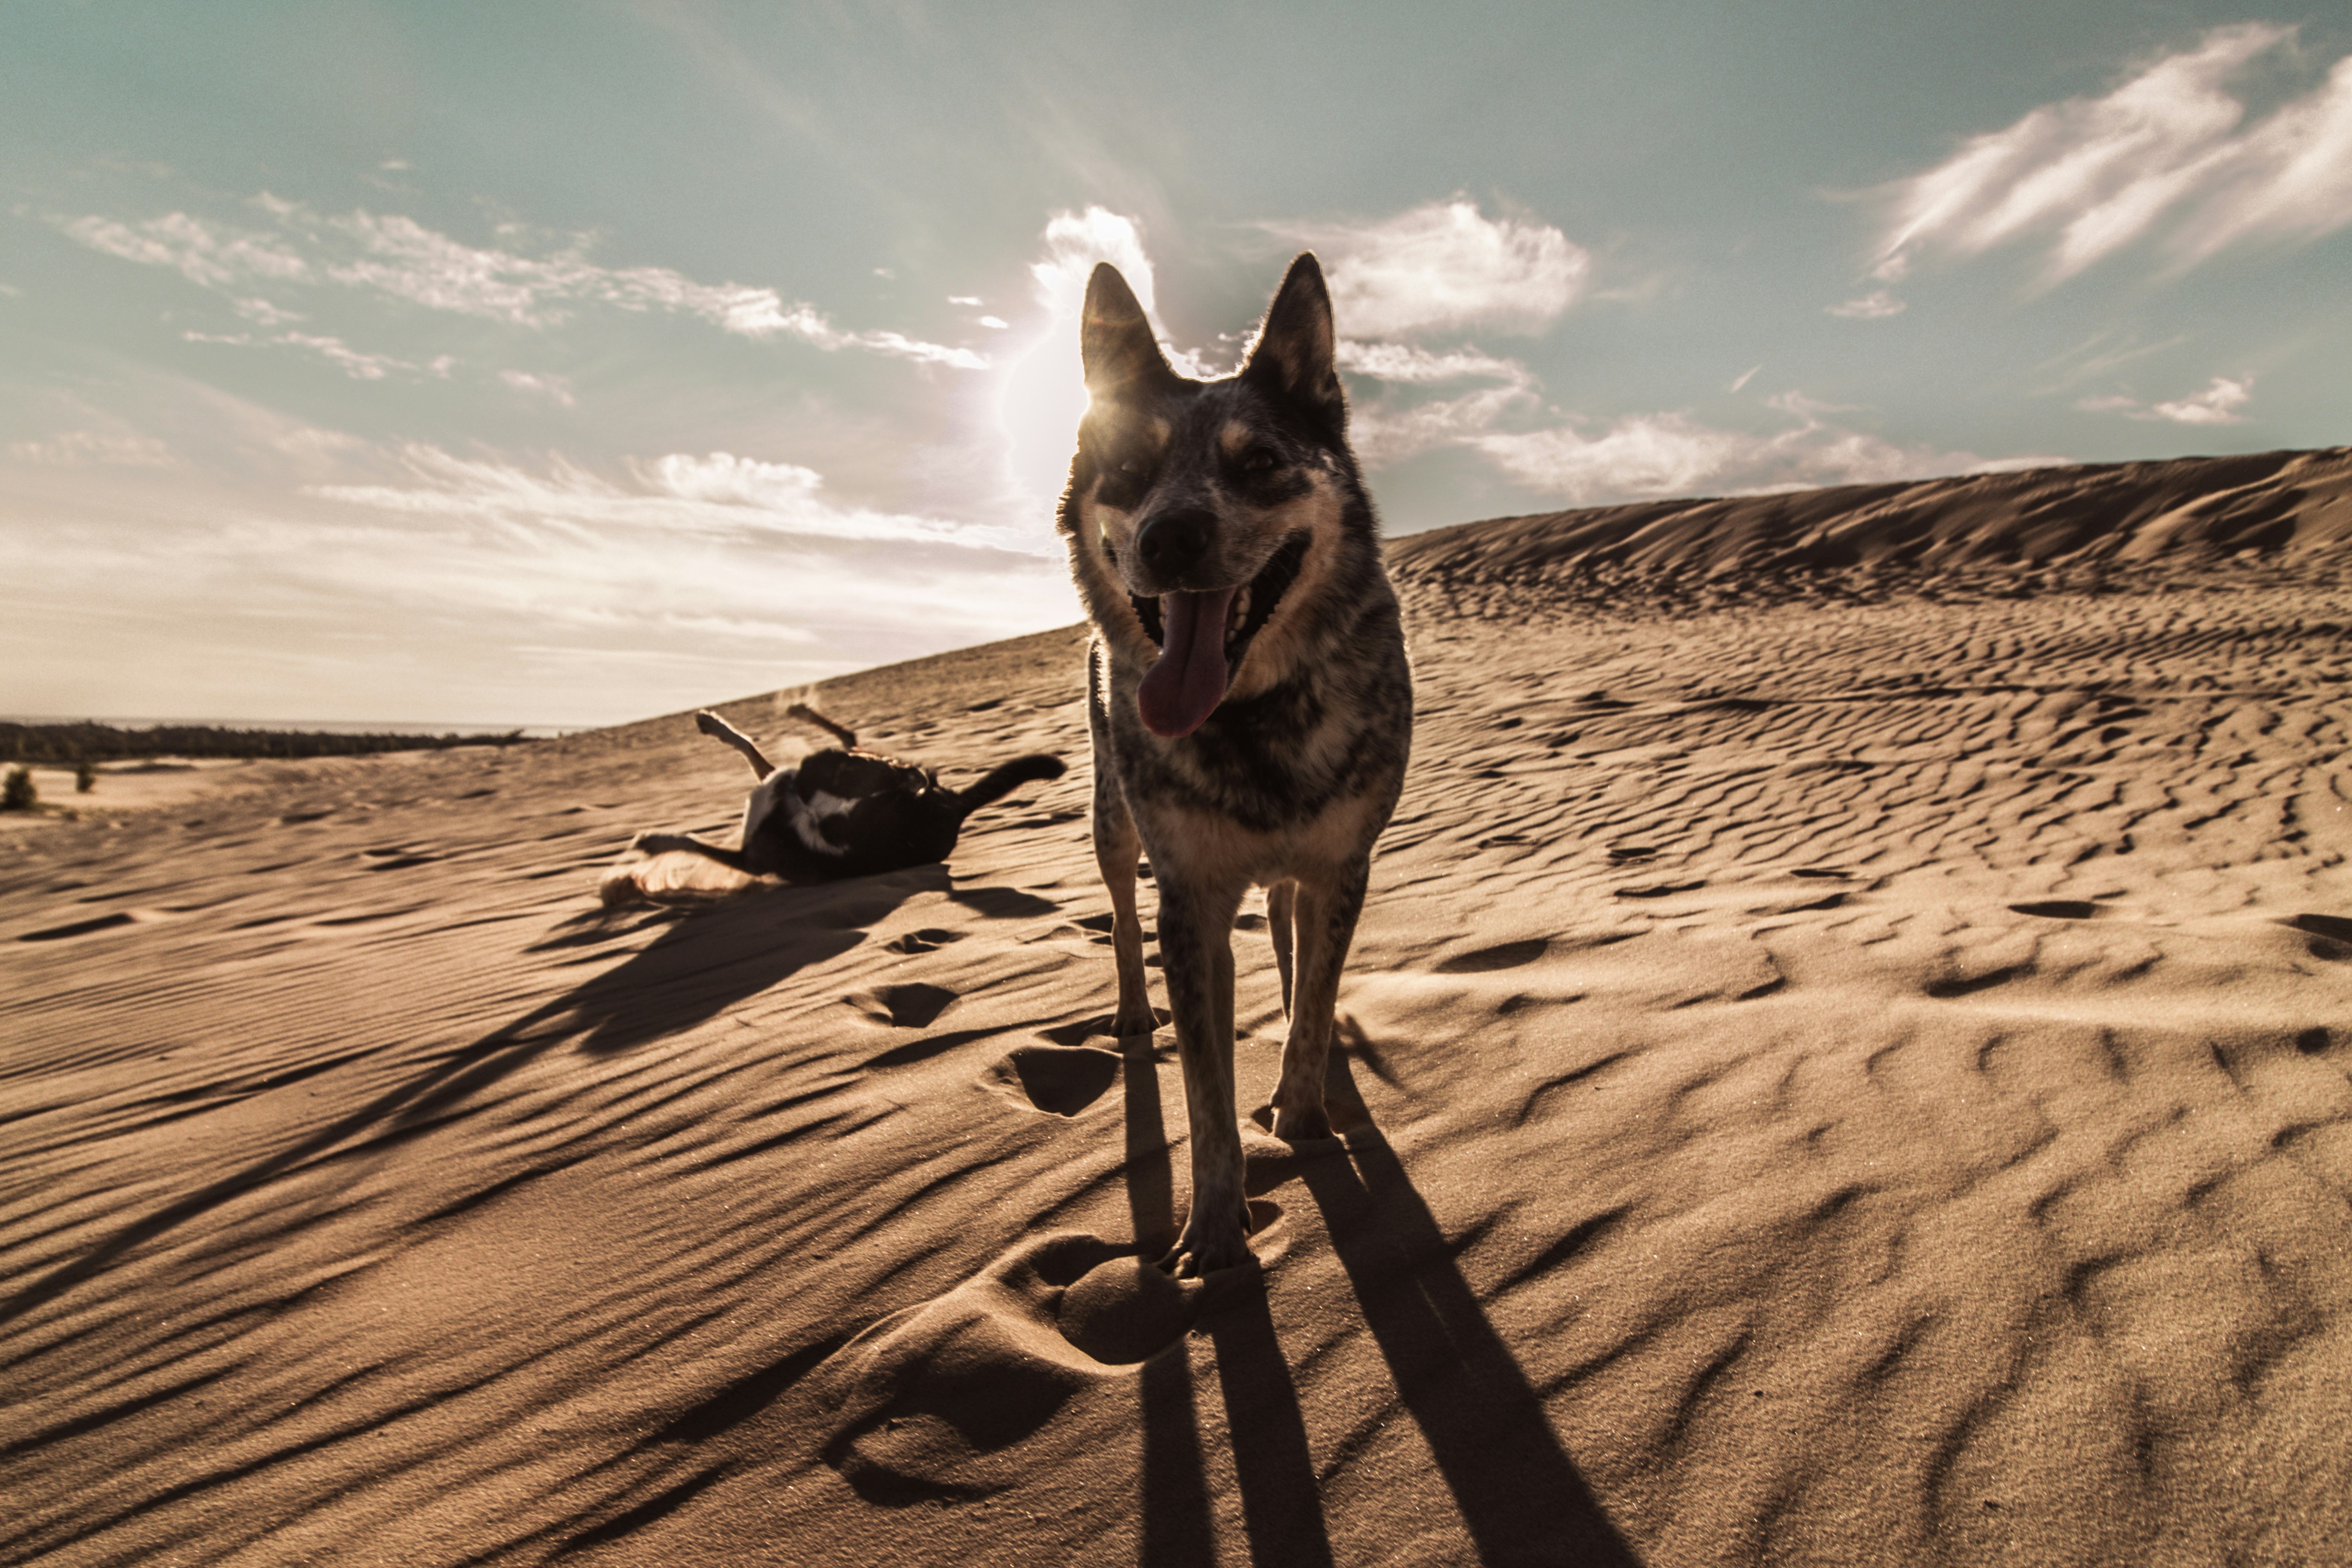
(1183, 688)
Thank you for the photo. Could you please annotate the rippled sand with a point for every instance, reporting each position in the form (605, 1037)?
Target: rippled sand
(1847, 1062)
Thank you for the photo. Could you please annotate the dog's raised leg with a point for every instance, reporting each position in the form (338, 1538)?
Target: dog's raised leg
(808, 715)
(718, 729)
(1327, 912)
(1196, 945)
(1279, 900)
(651, 843)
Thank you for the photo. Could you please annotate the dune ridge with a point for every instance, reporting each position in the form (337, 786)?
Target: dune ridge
(1845, 1061)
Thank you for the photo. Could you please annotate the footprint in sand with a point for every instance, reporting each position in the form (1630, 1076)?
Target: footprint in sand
(1003, 903)
(929, 1401)
(913, 1005)
(1096, 1028)
(1060, 1079)
(931, 939)
(1504, 955)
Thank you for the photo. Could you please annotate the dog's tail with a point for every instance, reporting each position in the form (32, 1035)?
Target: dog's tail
(998, 783)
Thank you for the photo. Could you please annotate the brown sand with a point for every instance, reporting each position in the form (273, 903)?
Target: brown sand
(1848, 1060)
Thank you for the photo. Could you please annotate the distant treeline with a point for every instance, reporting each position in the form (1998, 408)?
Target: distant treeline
(104, 742)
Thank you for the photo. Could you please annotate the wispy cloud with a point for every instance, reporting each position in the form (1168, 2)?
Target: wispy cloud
(1649, 455)
(555, 388)
(1411, 365)
(1874, 306)
(1385, 434)
(395, 256)
(355, 363)
(2166, 157)
(1582, 462)
(1445, 266)
(76, 449)
(211, 255)
(718, 495)
(2217, 405)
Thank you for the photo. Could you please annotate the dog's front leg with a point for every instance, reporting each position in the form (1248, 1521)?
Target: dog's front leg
(1197, 949)
(1116, 847)
(1325, 915)
(1279, 901)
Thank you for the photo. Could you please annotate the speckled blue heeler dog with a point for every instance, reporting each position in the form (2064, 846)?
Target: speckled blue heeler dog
(1250, 701)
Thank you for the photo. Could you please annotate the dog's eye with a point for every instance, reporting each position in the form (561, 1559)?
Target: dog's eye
(1133, 468)
(1259, 460)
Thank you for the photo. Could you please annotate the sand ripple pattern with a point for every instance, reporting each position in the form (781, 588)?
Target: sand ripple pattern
(1850, 1069)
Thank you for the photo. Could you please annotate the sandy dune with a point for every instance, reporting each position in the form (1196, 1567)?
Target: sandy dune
(1847, 1063)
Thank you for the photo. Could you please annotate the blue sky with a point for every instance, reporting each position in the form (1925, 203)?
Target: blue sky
(567, 364)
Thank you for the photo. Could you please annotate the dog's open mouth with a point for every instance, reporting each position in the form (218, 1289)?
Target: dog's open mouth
(1202, 635)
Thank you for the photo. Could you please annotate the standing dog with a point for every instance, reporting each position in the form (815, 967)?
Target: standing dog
(1249, 697)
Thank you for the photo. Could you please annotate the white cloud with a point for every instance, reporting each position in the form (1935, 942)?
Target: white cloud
(214, 257)
(1383, 433)
(2162, 158)
(1642, 456)
(266, 313)
(1650, 455)
(396, 256)
(488, 586)
(1042, 393)
(75, 449)
(1874, 306)
(352, 361)
(678, 496)
(552, 387)
(1795, 402)
(1445, 266)
(1074, 244)
(971, 299)
(1404, 363)
(2216, 404)
(1743, 378)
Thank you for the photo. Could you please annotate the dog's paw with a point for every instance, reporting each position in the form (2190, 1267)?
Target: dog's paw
(1208, 1246)
(1294, 1127)
(710, 723)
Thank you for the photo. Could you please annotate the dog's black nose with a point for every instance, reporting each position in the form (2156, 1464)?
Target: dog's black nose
(1173, 542)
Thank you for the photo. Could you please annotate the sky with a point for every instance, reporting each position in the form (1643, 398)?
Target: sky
(562, 364)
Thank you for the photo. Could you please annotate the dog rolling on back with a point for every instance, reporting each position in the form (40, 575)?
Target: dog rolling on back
(1251, 705)
(845, 812)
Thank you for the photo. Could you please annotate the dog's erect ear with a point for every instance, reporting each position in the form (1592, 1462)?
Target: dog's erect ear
(1115, 338)
(1293, 355)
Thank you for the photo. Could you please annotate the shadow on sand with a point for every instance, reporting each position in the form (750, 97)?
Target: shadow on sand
(701, 965)
(1521, 1497)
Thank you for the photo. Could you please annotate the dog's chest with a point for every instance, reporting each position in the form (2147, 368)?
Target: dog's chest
(1282, 760)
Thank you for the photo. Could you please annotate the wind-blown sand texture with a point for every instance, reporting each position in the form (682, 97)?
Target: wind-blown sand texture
(1847, 1062)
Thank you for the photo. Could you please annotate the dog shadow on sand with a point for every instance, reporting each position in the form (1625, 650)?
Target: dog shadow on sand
(706, 962)
(1521, 1495)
